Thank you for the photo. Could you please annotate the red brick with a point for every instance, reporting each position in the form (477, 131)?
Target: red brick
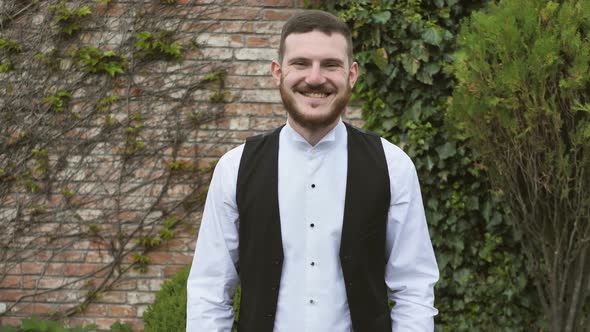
(169, 258)
(29, 281)
(278, 14)
(121, 311)
(238, 26)
(232, 13)
(38, 308)
(10, 321)
(270, 3)
(113, 297)
(10, 295)
(171, 270)
(96, 310)
(112, 9)
(98, 257)
(11, 282)
(201, 26)
(130, 284)
(249, 109)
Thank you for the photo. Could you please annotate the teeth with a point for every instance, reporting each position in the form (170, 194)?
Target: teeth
(316, 94)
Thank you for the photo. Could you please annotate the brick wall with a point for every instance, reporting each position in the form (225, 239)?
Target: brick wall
(244, 36)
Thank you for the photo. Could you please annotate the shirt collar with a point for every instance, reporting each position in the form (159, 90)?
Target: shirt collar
(336, 135)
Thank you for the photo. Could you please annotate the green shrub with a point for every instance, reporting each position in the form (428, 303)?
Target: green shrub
(168, 312)
(34, 324)
(524, 75)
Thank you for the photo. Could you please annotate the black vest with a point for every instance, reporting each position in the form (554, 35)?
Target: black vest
(362, 248)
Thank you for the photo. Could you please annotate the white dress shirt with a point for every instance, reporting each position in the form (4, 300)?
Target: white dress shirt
(312, 295)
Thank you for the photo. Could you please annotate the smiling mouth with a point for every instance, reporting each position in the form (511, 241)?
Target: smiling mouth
(315, 94)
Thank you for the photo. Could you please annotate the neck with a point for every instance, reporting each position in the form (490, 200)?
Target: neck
(312, 135)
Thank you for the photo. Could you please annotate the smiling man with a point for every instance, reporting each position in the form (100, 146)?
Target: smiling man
(321, 223)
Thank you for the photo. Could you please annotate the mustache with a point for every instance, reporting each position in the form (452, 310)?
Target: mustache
(323, 88)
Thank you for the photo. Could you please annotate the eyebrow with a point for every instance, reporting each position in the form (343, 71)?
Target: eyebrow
(324, 61)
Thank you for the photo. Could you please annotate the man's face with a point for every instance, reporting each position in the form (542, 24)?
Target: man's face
(315, 78)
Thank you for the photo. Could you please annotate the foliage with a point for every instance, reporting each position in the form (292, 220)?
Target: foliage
(95, 60)
(404, 49)
(8, 48)
(58, 101)
(157, 45)
(34, 324)
(522, 100)
(168, 312)
(68, 20)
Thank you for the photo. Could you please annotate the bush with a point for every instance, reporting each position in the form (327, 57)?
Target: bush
(168, 312)
(524, 75)
(34, 324)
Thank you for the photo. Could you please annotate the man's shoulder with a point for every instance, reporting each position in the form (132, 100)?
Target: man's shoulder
(397, 158)
(231, 159)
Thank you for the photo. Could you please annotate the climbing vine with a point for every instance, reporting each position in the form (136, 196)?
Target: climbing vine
(97, 138)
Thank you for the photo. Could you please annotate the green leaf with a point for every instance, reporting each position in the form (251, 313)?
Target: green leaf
(380, 58)
(382, 17)
(114, 70)
(447, 150)
(84, 11)
(410, 64)
(432, 36)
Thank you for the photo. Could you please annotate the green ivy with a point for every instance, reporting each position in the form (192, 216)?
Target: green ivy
(157, 45)
(59, 101)
(95, 60)
(404, 49)
(141, 262)
(8, 48)
(68, 20)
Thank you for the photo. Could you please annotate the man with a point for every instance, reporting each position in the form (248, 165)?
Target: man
(321, 222)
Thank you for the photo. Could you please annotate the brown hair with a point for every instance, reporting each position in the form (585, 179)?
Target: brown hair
(310, 20)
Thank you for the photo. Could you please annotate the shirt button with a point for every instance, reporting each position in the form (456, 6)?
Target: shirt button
(313, 185)
(312, 264)
(312, 225)
(311, 301)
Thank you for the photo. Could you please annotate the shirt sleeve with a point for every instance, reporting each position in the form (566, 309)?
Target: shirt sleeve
(411, 270)
(213, 276)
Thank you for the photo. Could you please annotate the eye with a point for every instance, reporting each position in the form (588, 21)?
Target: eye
(298, 64)
(332, 65)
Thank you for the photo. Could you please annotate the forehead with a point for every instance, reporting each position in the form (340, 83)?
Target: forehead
(315, 44)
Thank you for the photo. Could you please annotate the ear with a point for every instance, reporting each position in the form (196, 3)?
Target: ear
(353, 74)
(275, 67)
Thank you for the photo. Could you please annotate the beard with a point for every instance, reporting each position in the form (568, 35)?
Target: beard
(317, 120)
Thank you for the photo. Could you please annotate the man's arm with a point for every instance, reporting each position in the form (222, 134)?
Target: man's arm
(213, 277)
(411, 270)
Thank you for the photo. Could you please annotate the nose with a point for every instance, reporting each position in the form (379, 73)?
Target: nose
(315, 76)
